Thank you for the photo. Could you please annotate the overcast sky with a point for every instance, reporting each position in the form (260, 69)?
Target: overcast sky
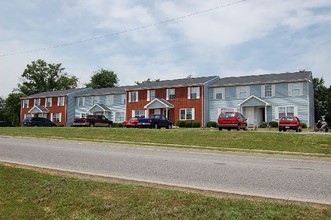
(165, 39)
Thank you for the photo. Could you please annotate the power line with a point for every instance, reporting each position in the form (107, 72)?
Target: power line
(125, 31)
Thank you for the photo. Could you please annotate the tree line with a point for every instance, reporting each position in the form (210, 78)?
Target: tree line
(40, 76)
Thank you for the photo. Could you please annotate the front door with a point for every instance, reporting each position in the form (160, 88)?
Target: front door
(249, 114)
(157, 111)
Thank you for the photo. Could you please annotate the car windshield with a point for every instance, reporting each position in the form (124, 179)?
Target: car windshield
(227, 115)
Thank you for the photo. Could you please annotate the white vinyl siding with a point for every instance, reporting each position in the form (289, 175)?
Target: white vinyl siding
(96, 100)
(119, 117)
(109, 99)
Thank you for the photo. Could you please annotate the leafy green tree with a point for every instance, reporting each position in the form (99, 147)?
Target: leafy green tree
(320, 98)
(102, 79)
(2, 106)
(12, 108)
(40, 76)
(147, 80)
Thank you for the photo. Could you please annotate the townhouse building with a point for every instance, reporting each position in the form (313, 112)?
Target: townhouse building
(110, 102)
(178, 99)
(265, 98)
(57, 106)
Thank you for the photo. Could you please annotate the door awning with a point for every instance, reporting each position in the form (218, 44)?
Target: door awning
(159, 103)
(99, 108)
(253, 101)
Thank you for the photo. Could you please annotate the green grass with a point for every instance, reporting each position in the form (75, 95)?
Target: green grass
(28, 194)
(274, 142)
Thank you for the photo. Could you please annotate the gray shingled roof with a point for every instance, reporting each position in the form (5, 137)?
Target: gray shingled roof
(173, 83)
(105, 91)
(54, 93)
(265, 78)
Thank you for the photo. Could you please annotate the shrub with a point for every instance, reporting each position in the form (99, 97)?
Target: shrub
(212, 124)
(60, 125)
(188, 124)
(180, 124)
(117, 125)
(273, 124)
(196, 124)
(304, 125)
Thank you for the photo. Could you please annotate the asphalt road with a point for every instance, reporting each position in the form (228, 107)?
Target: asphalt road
(282, 177)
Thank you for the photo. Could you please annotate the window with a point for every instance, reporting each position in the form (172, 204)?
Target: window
(48, 102)
(171, 94)
(268, 90)
(138, 113)
(96, 99)
(193, 92)
(80, 101)
(219, 93)
(36, 101)
(83, 115)
(60, 101)
(187, 114)
(25, 103)
(133, 96)
(56, 117)
(242, 92)
(109, 99)
(295, 89)
(150, 95)
(285, 111)
(123, 99)
(119, 116)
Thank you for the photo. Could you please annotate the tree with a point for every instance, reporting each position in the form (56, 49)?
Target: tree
(146, 81)
(2, 106)
(12, 108)
(322, 100)
(42, 77)
(102, 79)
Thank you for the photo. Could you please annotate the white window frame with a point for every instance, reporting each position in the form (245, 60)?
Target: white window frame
(218, 91)
(133, 96)
(171, 94)
(268, 88)
(139, 113)
(83, 114)
(150, 95)
(25, 103)
(60, 101)
(80, 102)
(193, 92)
(286, 111)
(48, 102)
(36, 102)
(243, 92)
(56, 117)
(295, 89)
(187, 112)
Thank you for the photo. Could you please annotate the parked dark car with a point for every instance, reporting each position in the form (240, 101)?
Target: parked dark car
(5, 124)
(232, 120)
(131, 123)
(289, 122)
(93, 121)
(155, 121)
(37, 122)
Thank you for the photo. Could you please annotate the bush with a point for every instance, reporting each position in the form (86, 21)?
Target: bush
(212, 124)
(196, 124)
(273, 124)
(304, 125)
(188, 124)
(60, 125)
(264, 125)
(117, 125)
(180, 124)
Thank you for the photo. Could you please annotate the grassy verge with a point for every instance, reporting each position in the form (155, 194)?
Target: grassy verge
(191, 138)
(27, 194)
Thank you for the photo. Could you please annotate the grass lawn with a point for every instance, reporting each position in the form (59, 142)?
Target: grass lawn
(28, 194)
(272, 142)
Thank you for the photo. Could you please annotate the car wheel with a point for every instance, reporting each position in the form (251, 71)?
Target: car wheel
(229, 129)
(296, 129)
(238, 127)
(169, 127)
(280, 130)
(220, 129)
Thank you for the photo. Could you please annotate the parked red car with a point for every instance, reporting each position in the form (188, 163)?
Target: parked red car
(232, 120)
(131, 123)
(289, 122)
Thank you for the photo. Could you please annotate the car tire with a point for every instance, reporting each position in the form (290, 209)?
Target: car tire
(238, 127)
(220, 129)
(280, 130)
(169, 127)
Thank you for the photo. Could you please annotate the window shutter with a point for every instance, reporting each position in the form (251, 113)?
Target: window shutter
(133, 113)
(52, 117)
(262, 91)
(290, 89)
(58, 101)
(188, 92)
(273, 90)
(276, 113)
(167, 94)
(137, 96)
(129, 96)
(60, 117)
(146, 113)
(296, 111)
(148, 95)
(193, 114)
(198, 92)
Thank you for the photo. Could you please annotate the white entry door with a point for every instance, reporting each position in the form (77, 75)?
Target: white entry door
(249, 114)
